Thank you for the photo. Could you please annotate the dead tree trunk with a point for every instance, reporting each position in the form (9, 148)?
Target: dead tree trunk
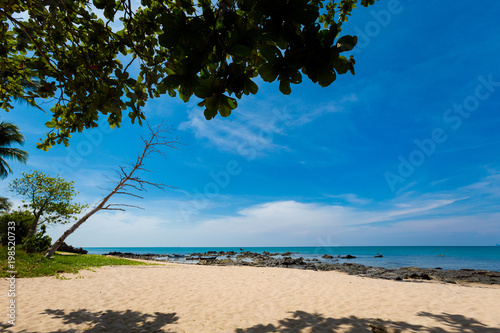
(126, 183)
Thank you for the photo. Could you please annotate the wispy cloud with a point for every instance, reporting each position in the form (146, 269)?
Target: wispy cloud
(234, 136)
(254, 127)
(349, 198)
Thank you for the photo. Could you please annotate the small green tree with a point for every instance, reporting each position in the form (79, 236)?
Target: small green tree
(49, 199)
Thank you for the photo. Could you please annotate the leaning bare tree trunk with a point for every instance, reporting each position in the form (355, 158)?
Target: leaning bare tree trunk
(127, 182)
(68, 232)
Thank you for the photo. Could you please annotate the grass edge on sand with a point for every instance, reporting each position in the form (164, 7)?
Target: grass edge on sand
(28, 265)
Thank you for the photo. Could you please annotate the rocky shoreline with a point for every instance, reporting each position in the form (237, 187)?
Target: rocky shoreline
(285, 260)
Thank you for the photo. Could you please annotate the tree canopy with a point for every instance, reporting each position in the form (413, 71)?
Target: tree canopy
(49, 199)
(80, 53)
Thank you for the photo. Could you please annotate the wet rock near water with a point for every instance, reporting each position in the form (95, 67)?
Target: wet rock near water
(348, 257)
(130, 255)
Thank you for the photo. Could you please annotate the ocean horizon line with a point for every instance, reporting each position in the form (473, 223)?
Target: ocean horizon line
(290, 246)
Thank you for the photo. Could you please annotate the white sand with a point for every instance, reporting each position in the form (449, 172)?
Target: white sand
(189, 298)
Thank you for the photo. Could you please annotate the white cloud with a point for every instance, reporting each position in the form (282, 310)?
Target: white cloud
(488, 185)
(445, 218)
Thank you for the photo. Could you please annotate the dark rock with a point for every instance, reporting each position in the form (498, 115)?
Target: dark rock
(68, 248)
(348, 257)
(327, 256)
(391, 276)
(130, 255)
(419, 276)
(379, 256)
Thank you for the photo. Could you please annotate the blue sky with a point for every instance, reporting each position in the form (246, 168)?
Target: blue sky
(403, 153)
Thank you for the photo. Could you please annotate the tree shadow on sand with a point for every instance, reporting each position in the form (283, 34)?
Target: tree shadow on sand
(112, 321)
(300, 321)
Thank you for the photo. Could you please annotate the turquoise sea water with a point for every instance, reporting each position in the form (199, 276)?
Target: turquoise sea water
(446, 257)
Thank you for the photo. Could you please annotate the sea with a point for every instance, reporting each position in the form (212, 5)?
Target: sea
(444, 257)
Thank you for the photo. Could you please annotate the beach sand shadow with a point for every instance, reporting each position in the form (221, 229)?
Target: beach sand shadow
(112, 321)
(300, 321)
(459, 323)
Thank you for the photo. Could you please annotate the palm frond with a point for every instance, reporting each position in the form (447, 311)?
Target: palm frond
(9, 134)
(4, 168)
(14, 154)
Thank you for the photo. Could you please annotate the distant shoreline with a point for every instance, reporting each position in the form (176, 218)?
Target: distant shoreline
(284, 260)
(448, 258)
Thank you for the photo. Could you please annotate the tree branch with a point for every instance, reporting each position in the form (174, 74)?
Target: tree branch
(151, 145)
(19, 24)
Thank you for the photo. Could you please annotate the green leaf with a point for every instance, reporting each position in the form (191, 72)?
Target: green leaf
(249, 86)
(268, 72)
(100, 4)
(346, 43)
(201, 91)
(270, 52)
(240, 50)
(325, 78)
(285, 87)
(185, 94)
(229, 102)
(210, 114)
(341, 65)
(224, 110)
(296, 78)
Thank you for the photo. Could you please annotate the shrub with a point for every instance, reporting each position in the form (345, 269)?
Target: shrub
(38, 243)
(22, 222)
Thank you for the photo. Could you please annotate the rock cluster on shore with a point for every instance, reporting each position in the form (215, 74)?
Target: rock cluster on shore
(284, 260)
(130, 255)
(69, 248)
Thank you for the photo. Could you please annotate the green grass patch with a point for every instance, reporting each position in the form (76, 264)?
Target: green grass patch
(35, 264)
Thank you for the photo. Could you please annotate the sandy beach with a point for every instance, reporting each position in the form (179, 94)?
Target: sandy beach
(191, 298)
